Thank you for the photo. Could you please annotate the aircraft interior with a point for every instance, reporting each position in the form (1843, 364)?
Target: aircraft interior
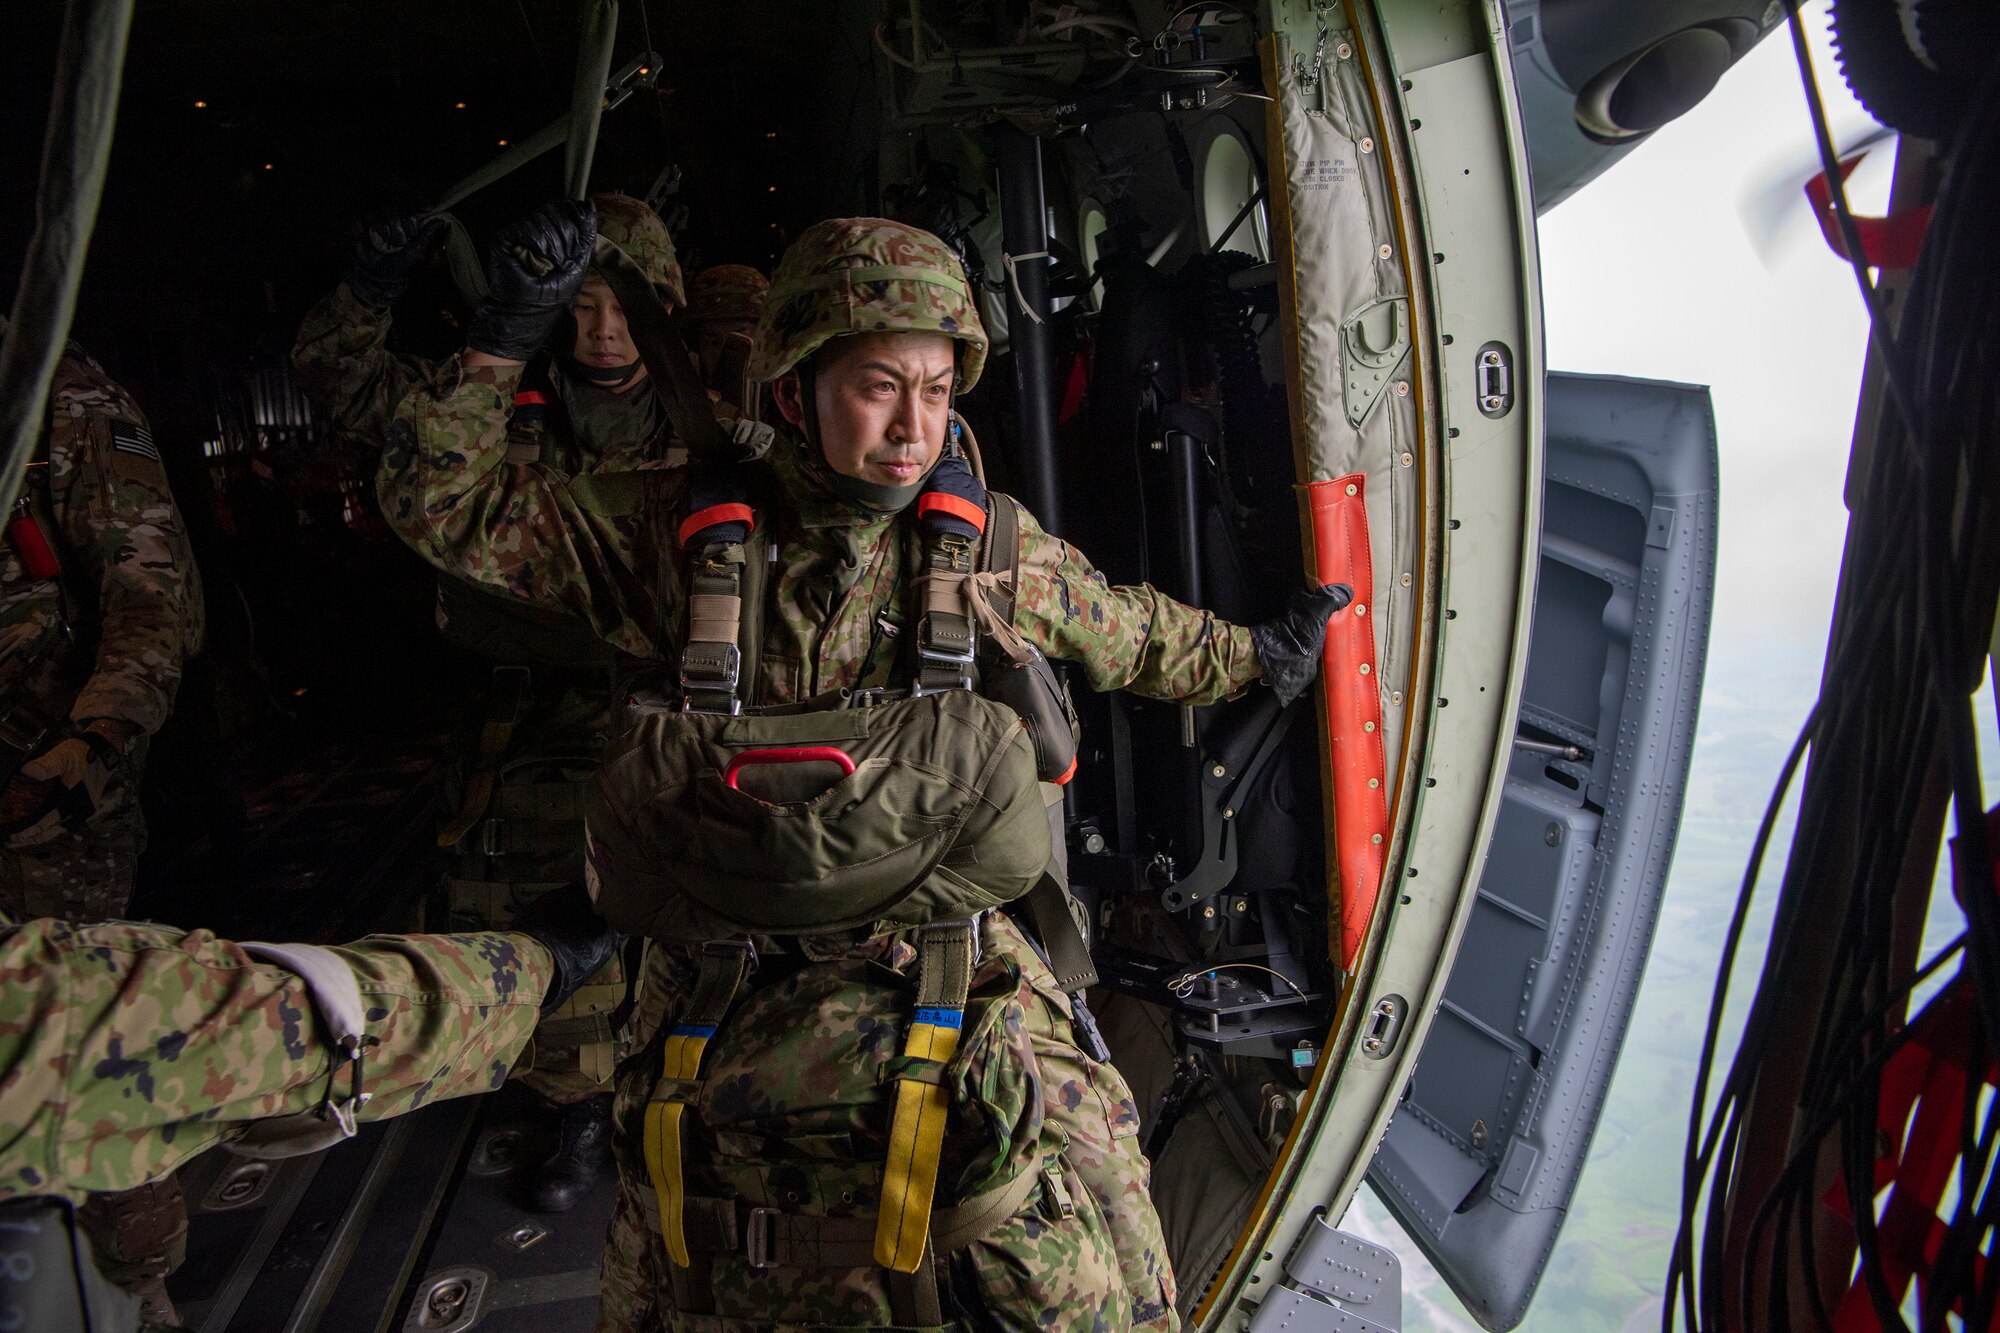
(1260, 283)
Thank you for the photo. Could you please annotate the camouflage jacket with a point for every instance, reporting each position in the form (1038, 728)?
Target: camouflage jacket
(346, 367)
(839, 592)
(127, 1049)
(349, 374)
(107, 637)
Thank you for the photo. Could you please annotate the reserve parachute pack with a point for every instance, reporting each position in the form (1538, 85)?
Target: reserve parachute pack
(838, 820)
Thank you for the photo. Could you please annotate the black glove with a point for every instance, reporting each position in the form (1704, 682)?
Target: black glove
(533, 270)
(1289, 647)
(952, 495)
(388, 254)
(565, 922)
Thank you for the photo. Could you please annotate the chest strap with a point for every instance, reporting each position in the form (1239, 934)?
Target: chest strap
(946, 635)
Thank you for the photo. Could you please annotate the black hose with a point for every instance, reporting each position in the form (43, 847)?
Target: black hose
(1892, 732)
(75, 153)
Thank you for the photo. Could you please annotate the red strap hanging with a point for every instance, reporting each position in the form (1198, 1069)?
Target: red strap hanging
(1887, 243)
(1917, 1116)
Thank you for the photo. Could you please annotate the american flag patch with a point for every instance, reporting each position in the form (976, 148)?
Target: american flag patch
(130, 439)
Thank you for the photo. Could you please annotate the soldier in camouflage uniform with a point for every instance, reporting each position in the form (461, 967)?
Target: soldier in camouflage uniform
(723, 304)
(344, 362)
(99, 606)
(868, 330)
(127, 1049)
(588, 413)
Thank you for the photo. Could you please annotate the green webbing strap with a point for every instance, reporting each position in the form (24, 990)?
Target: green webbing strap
(945, 636)
(750, 628)
(461, 256)
(1052, 910)
(608, 494)
(711, 660)
(1051, 907)
(506, 699)
(665, 353)
(1000, 553)
(913, 1297)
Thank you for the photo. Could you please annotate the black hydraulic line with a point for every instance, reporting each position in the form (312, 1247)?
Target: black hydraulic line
(75, 152)
(1024, 230)
(1184, 457)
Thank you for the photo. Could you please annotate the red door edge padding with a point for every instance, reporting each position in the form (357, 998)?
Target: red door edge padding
(1353, 704)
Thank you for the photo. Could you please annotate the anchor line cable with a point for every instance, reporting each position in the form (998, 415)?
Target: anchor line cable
(1891, 737)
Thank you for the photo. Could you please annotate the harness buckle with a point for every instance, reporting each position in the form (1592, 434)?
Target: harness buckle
(940, 669)
(760, 1233)
(709, 676)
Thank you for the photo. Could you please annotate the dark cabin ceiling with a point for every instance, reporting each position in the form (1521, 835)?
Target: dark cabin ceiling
(222, 222)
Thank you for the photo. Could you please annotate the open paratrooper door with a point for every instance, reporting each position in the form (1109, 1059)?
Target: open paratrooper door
(1403, 231)
(1483, 1155)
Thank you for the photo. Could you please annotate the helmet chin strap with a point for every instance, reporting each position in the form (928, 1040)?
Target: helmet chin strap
(609, 377)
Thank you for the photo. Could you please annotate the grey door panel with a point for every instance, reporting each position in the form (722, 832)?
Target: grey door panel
(1482, 1157)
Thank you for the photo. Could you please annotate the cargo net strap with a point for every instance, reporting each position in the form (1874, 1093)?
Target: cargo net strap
(916, 1135)
(725, 966)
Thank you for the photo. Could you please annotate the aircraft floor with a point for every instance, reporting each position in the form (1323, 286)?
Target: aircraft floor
(415, 1224)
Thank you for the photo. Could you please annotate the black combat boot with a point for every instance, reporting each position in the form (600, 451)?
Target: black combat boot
(585, 1146)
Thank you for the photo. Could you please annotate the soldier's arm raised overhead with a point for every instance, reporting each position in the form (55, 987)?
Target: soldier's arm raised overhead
(448, 486)
(126, 1049)
(342, 352)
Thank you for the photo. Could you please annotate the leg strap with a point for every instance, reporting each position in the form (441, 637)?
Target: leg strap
(725, 966)
(506, 700)
(916, 1135)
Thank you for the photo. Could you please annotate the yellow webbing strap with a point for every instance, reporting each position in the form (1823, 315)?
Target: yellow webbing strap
(916, 1135)
(724, 967)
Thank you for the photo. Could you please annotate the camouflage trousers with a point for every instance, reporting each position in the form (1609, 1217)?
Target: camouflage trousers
(83, 876)
(523, 798)
(1084, 1254)
(138, 1234)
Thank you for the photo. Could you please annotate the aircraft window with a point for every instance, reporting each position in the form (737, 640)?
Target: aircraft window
(1229, 180)
(1090, 235)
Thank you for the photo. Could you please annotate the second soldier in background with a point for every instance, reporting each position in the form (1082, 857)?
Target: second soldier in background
(586, 410)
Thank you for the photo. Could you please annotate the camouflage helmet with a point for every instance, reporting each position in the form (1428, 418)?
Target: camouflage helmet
(865, 275)
(638, 231)
(727, 292)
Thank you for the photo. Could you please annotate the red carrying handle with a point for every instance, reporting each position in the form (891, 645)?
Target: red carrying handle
(792, 754)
